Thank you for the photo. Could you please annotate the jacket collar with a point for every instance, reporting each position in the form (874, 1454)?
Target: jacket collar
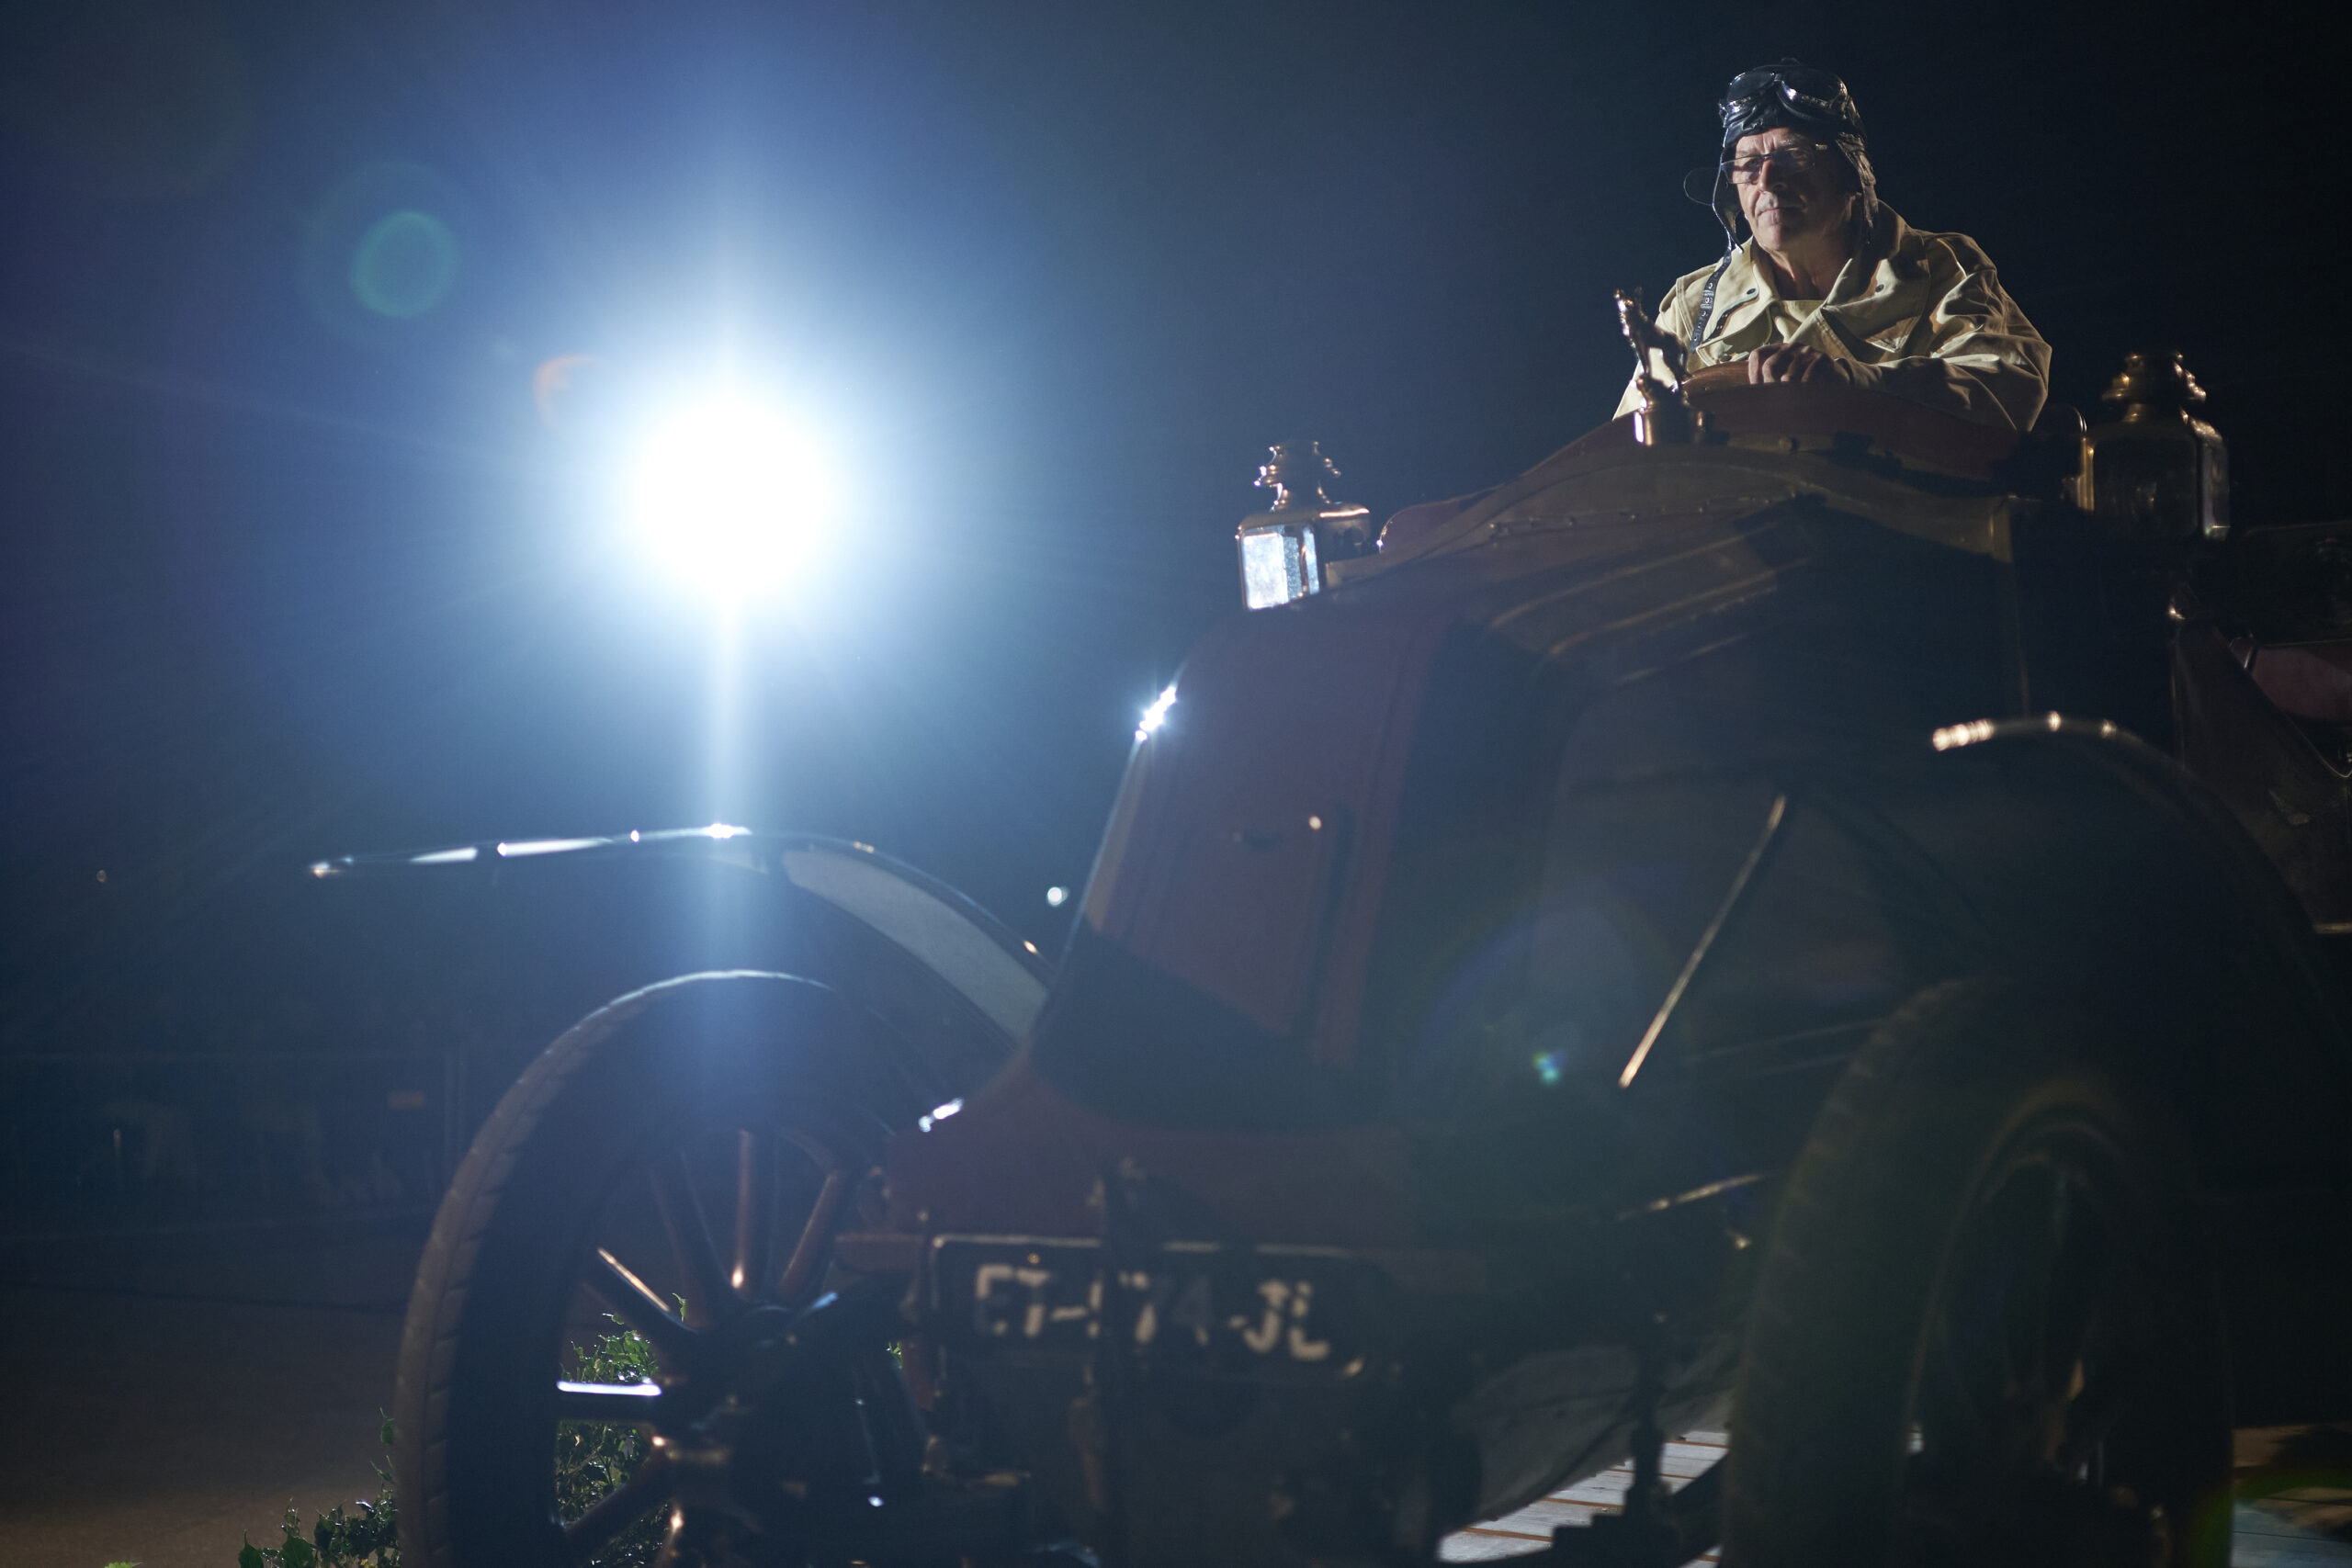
(1886, 254)
(1879, 264)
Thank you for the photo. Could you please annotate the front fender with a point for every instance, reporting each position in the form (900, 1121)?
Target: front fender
(2097, 865)
(959, 986)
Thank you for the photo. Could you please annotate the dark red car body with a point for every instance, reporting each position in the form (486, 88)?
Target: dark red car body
(1472, 948)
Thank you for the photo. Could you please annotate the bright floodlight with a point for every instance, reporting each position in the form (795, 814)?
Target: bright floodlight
(731, 496)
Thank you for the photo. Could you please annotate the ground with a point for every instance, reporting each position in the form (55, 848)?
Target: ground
(172, 1396)
(2294, 1508)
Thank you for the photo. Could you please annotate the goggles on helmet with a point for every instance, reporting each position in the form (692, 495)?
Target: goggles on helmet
(1788, 94)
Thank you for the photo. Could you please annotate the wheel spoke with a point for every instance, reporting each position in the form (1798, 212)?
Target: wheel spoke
(634, 1303)
(755, 1179)
(2019, 1243)
(706, 1293)
(815, 1237)
(2093, 1278)
(613, 1512)
(634, 1405)
(2083, 1277)
(894, 1427)
(2044, 1244)
(1961, 1397)
(2052, 1356)
(682, 1542)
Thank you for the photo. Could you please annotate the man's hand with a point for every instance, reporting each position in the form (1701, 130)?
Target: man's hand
(1788, 362)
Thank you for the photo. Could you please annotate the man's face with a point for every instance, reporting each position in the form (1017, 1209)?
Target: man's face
(1802, 192)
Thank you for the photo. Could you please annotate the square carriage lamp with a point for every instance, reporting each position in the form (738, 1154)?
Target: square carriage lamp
(1284, 551)
(2155, 471)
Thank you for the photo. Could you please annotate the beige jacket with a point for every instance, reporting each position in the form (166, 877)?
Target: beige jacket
(1918, 314)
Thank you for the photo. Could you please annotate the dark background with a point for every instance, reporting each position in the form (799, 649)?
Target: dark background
(281, 578)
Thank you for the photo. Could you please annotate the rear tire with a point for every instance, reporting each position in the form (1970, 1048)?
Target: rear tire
(1986, 1329)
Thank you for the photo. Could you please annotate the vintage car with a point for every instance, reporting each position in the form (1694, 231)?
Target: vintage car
(1797, 914)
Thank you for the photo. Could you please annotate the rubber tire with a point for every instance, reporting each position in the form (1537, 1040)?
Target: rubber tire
(1821, 1410)
(479, 1351)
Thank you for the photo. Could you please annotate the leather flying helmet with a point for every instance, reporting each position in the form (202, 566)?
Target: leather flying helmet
(1785, 93)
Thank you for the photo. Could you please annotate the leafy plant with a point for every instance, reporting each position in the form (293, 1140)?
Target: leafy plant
(591, 1459)
(337, 1540)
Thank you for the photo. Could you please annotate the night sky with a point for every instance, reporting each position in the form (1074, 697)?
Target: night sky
(293, 561)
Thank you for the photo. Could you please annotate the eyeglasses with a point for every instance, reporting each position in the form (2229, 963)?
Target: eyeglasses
(1796, 158)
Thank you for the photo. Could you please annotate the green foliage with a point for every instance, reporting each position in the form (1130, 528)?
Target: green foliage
(337, 1540)
(590, 1459)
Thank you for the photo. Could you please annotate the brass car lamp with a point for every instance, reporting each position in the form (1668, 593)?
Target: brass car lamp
(1284, 551)
(2155, 472)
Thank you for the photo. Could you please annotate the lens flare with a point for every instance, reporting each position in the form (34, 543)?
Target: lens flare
(383, 254)
(404, 264)
(732, 497)
(561, 386)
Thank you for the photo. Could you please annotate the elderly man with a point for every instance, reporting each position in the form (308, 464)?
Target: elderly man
(1830, 284)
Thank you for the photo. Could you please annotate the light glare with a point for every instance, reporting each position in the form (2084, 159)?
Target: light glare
(543, 847)
(1157, 713)
(732, 497)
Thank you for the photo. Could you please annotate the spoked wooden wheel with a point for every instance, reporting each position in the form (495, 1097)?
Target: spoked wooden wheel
(1986, 1329)
(677, 1166)
(710, 1314)
(2041, 1424)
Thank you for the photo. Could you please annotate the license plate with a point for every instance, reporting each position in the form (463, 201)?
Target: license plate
(1256, 1310)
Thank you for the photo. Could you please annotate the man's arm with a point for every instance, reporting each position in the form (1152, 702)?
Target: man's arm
(1973, 353)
